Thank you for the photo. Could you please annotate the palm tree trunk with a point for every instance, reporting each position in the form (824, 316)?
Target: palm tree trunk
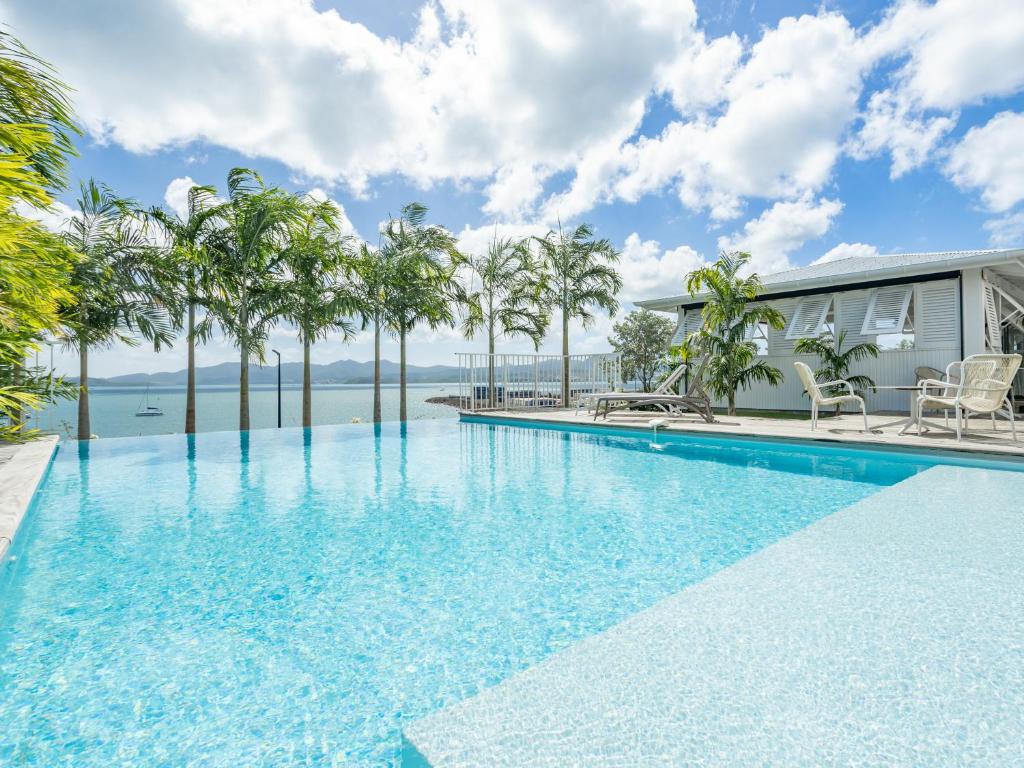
(307, 387)
(84, 428)
(492, 398)
(402, 412)
(190, 387)
(732, 403)
(565, 358)
(376, 371)
(243, 389)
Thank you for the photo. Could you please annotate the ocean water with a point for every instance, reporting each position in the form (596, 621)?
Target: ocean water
(112, 409)
(293, 597)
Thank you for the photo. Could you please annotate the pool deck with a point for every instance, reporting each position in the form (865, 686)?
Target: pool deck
(21, 469)
(888, 633)
(980, 439)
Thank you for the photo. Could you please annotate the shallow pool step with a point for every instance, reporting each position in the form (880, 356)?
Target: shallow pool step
(887, 633)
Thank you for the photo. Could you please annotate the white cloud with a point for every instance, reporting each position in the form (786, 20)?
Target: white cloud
(648, 271)
(777, 134)
(891, 124)
(1007, 231)
(959, 51)
(176, 195)
(481, 89)
(54, 218)
(847, 251)
(696, 79)
(780, 230)
(991, 158)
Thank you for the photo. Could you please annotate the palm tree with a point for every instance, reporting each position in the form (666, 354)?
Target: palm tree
(187, 243)
(423, 261)
(247, 254)
(577, 275)
(836, 362)
(504, 299)
(116, 284)
(373, 283)
(727, 314)
(317, 298)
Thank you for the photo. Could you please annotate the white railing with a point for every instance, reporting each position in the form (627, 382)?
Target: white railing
(528, 382)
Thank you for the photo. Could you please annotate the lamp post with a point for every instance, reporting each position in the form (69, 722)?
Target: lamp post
(278, 387)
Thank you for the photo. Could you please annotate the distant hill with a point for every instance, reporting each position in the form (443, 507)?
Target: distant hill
(338, 372)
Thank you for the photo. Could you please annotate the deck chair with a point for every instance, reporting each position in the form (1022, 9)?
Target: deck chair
(984, 388)
(695, 400)
(818, 398)
(665, 388)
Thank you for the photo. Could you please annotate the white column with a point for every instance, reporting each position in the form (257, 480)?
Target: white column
(973, 321)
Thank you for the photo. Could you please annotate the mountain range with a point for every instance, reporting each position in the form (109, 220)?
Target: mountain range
(338, 372)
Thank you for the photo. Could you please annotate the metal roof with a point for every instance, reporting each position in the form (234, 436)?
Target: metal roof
(858, 269)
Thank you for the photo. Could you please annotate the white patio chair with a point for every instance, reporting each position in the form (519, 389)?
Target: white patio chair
(984, 387)
(818, 398)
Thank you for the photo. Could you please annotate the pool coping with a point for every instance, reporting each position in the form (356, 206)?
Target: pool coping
(959, 454)
(20, 477)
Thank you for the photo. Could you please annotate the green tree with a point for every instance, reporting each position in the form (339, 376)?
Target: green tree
(247, 258)
(36, 130)
(117, 283)
(423, 260)
(190, 272)
(835, 362)
(642, 339)
(503, 299)
(373, 284)
(317, 296)
(728, 318)
(577, 275)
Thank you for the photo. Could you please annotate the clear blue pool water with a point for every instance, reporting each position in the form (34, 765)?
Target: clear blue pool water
(292, 598)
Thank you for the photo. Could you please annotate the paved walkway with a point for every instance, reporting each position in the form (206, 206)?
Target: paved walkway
(21, 469)
(846, 429)
(889, 633)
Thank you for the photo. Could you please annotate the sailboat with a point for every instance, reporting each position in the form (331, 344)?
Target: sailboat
(145, 409)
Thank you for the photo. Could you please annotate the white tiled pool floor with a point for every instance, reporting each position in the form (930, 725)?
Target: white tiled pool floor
(889, 633)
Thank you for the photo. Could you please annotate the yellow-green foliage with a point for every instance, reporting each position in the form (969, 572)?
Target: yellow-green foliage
(35, 130)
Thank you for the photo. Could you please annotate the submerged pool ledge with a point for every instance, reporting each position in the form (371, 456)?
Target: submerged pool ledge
(20, 475)
(887, 633)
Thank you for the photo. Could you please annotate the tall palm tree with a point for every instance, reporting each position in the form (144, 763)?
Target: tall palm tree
(191, 275)
(372, 278)
(503, 299)
(247, 255)
(317, 296)
(117, 284)
(423, 263)
(835, 361)
(577, 276)
(727, 315)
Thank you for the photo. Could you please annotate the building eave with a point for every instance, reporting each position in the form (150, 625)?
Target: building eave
(954, 264)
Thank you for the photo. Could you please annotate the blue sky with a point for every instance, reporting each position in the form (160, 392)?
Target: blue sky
(795, 130)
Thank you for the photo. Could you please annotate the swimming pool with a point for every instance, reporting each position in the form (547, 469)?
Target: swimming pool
(289, 597)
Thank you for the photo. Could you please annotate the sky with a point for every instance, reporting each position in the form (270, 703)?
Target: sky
(796, 130)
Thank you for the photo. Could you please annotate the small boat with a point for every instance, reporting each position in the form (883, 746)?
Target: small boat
(145, 409)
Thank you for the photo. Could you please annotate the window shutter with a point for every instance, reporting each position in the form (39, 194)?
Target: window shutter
(992, 334)
(689, 322)
(887, 310)
(679, 334)
(937, 315)
(808, 317)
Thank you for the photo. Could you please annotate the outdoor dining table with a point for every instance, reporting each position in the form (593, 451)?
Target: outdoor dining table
(911, 420)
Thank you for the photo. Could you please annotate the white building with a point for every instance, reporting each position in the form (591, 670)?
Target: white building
(923, 309)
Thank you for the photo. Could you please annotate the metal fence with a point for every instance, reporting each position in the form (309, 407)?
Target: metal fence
(529, 382)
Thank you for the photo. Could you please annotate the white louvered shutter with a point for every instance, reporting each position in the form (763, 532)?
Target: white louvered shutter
(937, 315)
(992, 334)
(679, 334)
(887, 310)
(808, 317)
